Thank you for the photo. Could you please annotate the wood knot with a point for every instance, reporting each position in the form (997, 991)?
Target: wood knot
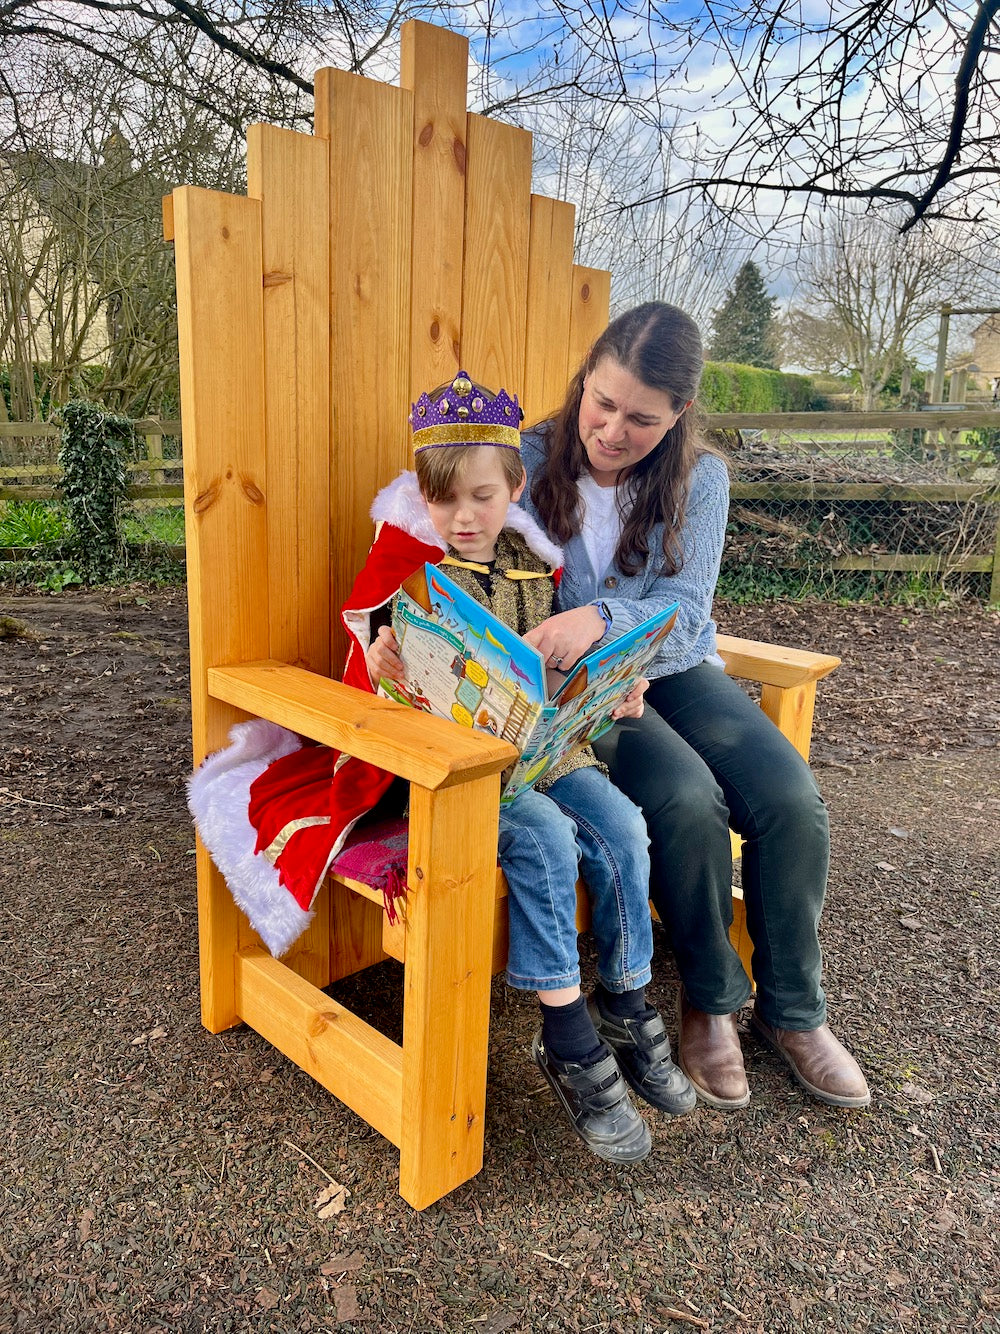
(251, 490)
(206, 499)
(225, 233)
(585, 292)
(458, 150)
(426, 134)
(435, 331)
(320, 1021)
(276, 279)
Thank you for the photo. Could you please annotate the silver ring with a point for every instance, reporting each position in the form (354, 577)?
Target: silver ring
(557, 662)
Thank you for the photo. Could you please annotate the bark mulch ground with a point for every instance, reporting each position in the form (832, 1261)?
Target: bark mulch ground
(159, 1178)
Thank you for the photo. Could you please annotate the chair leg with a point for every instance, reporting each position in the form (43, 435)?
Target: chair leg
(446, 1008)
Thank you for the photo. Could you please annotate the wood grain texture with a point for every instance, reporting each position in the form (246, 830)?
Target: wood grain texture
(434, 68)
(220, 335)
(773, 664)
(588, 314)
(495, 282)
(446, 1005)
(370, 127)
(547, 314)
(340, 1051)
(416, 746)
(289, 174)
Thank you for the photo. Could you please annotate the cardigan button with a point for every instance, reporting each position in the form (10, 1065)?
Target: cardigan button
(611, 581)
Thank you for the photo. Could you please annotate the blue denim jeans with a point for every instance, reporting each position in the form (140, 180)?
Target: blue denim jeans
(701, 759)
(583, 826)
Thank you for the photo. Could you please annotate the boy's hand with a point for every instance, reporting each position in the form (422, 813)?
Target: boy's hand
(564, 638)
(633, 703)
(383, 657)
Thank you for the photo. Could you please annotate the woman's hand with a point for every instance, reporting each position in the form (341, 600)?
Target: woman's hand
(383, 657)
(633, 703)
(564, 638)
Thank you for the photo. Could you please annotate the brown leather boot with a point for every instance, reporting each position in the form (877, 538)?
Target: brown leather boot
(821, 1064)
(709, 1053)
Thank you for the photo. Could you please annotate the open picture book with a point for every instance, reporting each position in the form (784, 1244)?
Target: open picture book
(463, 663)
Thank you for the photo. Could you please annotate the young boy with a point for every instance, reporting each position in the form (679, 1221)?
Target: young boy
(459, 508)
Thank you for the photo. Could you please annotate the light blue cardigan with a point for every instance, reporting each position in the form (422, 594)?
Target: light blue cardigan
(632, 598)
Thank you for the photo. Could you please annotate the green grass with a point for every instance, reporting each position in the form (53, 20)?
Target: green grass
(32, 523)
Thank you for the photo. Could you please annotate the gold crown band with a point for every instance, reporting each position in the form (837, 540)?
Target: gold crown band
(459, 434)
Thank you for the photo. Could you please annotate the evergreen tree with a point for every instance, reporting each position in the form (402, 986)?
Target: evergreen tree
(744, 328)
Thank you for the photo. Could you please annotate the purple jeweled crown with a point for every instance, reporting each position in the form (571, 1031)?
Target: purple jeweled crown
(465, 414)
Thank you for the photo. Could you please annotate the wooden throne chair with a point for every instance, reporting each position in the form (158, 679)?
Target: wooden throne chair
(366, 263)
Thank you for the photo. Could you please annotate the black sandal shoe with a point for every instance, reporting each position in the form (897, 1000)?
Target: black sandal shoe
(642, 1049)
(598, 1105)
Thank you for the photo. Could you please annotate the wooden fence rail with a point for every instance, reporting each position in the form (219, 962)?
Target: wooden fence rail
(158, 491)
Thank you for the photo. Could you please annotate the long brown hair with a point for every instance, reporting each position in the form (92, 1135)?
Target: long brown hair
(661, 346)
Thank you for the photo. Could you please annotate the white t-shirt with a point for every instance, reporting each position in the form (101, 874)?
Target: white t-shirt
(601, 522)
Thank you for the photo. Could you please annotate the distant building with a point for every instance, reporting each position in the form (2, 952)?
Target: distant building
(986, 347)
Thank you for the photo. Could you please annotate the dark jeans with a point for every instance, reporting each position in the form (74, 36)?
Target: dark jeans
(704, 757)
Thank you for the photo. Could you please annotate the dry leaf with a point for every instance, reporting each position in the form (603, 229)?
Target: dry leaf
(332, 1199)
(342, 1264)
(885, 866)
(345, 1301)
(267, 1300)
(86, 1219)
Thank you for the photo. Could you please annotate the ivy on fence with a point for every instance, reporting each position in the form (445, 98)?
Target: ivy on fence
(94, 453)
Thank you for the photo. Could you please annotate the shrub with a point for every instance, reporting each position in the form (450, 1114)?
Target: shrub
(728, 387)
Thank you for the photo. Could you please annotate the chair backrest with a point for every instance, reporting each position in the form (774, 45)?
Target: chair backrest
(367, 262)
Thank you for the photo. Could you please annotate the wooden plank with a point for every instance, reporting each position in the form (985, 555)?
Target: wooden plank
(772, 663)
(550, 294)
(355, 930)
(588, 314)
(434, 67)
(289, 174)
(446, 1006)
(738, 934)
(495, 283)
(417, 746)
(220, 334)
(370, 129)
(355, 1062)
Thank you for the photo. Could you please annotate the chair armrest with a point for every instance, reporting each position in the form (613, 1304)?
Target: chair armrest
(772, 664)
(432, 752)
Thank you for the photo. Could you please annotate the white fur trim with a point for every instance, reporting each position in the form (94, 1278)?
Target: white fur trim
(219, 800)
(401, 504)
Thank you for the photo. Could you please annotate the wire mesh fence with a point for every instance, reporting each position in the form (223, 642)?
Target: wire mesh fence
(861, 506)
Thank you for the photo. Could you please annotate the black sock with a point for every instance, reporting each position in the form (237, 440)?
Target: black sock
(568, 1033)
(621, 1004)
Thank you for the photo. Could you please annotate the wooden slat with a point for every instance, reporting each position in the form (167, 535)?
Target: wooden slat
(589, 308)
(354, 1061)
(550, 291)
(434, 67)
(434, 752)
(289, 174)
(356, 916)
(369, 126)
(771, 663)
(446, 1006)
(220, 333)
(495, 284)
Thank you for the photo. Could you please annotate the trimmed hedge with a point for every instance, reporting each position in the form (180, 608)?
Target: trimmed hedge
(727, 387)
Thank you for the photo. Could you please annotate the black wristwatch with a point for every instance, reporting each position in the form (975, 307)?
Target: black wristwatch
(605, 614)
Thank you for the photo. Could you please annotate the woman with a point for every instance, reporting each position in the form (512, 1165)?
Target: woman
(638, 499)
